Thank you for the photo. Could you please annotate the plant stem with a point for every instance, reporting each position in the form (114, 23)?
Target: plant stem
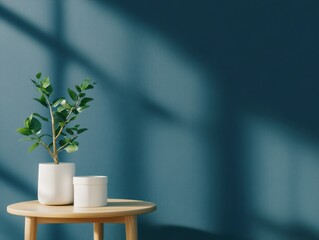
(54, 138)
(47, 148)
(42, 143)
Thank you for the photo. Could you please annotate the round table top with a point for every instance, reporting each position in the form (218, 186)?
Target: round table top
(114, 208)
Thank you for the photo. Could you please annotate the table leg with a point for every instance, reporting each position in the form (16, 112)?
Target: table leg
(30, 228)
(131, 227)
(98, 231)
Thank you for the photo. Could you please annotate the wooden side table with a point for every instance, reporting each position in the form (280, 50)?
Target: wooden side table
(123, 211)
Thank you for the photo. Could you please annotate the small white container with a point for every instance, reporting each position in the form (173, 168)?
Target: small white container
(90, 191)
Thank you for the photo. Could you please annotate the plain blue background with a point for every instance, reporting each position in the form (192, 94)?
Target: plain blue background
(208, 108)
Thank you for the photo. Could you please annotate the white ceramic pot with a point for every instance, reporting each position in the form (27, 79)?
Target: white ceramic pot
(55, 185)
(90, 191)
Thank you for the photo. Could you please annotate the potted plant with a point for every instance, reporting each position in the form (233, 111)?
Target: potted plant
(55, 185)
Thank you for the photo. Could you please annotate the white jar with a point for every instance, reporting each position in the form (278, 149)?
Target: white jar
(90, 191)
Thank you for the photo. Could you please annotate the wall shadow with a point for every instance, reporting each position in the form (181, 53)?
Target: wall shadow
(264, 54)
(6, 229)
(170, 232)
(10, 178)
(61, 51)
(289, 231)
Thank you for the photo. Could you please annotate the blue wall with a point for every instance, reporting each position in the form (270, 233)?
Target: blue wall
(208, 108)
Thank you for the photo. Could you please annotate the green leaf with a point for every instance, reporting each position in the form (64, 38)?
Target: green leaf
(39, 75)
(80, 109)
(84, 101)
(63, 114)
(35, 125)
(71, 148)
(61, 109)
(85, 84)
(45, 82)
(27, 123)
(33, 146)
(69, 131)
(24, 131)
(57, 102)
(90, 86)
(82, 94)
(49, 90)
(72, 118)
(72, 94)
(78, 88)
(64, 141)
(38, 115)
(42, 101)
(82, 130)
(59, 117)
(35, 83)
